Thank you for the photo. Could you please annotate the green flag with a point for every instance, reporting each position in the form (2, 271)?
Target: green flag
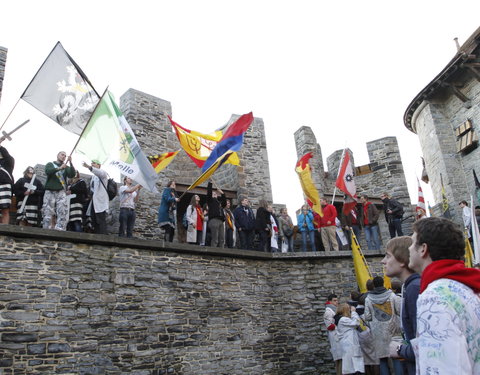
(109, 139)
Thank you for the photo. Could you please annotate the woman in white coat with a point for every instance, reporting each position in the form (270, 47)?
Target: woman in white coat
(195, 221)
(352, 358)
(100, 203)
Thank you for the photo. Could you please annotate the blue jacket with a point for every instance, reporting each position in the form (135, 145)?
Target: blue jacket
(164, 215)
(244, 218)
(411, 289)
(308, 219)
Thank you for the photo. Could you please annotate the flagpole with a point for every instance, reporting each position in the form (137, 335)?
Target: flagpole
(475, 232)
(338, 174)
(1, 127)
(83, 130)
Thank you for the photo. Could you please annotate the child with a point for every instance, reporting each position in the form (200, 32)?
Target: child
(352, 358)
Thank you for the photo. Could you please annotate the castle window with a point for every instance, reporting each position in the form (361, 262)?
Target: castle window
(363, 169)
(467, 139)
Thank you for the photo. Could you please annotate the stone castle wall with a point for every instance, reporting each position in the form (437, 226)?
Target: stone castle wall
(387, 175)
(435, 124)
(3, 62)
(148, 117)
(91, 304)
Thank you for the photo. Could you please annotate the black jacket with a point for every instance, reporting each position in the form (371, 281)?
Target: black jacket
(215, 209)
(262, 220)
(395, 206)
(7, 162)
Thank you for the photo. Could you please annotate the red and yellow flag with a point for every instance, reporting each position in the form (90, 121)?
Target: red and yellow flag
(199, 146)
(309, 190)
(161, 161)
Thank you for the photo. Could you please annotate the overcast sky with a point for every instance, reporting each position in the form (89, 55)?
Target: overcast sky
(347, 69)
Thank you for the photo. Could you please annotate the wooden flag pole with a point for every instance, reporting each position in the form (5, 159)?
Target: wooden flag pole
(338, 174)
(1, 127)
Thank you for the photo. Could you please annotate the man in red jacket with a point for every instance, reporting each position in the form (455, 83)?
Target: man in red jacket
(328, 226)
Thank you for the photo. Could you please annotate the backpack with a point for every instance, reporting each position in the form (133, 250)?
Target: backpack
(184, 220)
(111, 188)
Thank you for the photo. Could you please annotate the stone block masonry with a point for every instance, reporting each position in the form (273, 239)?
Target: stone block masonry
(148, 117)
(89, 304)
(3, 62)
(387, 175)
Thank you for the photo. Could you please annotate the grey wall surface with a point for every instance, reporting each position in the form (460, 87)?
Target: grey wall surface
(3, 62)
(387, 175)
(89, 304)
(435, 122)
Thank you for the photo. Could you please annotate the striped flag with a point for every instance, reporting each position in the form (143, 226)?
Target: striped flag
(421, 200)
(161, 161)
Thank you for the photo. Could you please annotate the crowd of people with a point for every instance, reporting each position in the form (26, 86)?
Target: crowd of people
(68, 202)
(428, 324)
(216, 224)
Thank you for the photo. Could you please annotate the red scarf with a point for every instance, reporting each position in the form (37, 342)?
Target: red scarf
(453, 270)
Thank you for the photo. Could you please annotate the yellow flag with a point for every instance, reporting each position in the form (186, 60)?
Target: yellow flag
(468, 254)
(360, 265)
(387, 282)
(304, 174)
(210, 171)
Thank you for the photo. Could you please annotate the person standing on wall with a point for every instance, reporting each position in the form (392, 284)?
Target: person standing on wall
(100, 202)
(55, 197)
(194, 215)
(393, 214)
(30, 216)
(129, 195)
(245, 223)
(167, 211)
(216, 217)
(370, 223)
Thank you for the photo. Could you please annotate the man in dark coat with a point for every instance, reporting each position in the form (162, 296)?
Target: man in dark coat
(216, 216)
(245, 224)
(393, 215)
(7, 162)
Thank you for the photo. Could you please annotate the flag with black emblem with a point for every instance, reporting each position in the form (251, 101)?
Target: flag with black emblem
(61, 91)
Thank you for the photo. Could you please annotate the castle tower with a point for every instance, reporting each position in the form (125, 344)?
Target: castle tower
(148, 117)
(3, 62)
(384, 173)
(305, 141)
(446, 117)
